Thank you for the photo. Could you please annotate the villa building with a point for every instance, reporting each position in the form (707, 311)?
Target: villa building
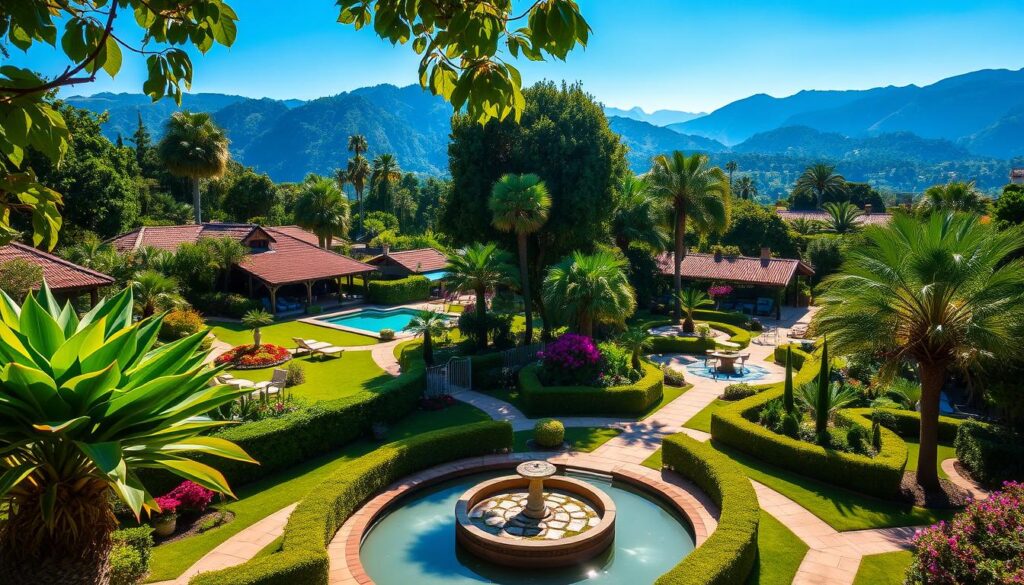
(66, 279)
(283, 259)
(423, 261)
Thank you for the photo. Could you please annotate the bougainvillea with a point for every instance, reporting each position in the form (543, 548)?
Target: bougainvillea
(720, 290)
(571, 359)
(191, 496)
(168, 505)
(982, 544)
(246, 357)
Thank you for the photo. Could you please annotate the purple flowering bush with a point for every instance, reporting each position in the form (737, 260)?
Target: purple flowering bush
(982, 544)
(570, 360)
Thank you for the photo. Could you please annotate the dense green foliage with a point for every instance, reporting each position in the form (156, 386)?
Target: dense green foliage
(629, 400)
(129, 555)
(753, 226)
(549, 433)
(992, 454)
(584, 291)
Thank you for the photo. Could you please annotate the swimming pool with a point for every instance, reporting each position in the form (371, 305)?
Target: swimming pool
(374, 320)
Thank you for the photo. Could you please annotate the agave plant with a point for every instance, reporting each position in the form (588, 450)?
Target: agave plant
(86, 403)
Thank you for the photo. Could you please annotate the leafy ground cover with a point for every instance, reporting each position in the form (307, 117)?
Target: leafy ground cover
(281, 333)
(883, 569)
(584, 439)
(259, 499)
(702, 420)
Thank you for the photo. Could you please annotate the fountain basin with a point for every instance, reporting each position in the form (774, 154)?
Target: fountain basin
(521, 541)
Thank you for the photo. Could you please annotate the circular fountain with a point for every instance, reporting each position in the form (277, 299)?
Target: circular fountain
(535, 519)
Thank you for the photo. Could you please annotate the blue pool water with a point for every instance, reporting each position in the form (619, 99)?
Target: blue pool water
(415, 543)
(751, 372)
(435, 275)
(374, 320)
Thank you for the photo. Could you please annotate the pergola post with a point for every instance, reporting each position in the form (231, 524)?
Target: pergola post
(309, 292)
(273, 298)
(94, 297)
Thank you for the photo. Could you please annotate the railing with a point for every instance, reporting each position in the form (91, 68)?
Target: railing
(454, 376)
(518, 357)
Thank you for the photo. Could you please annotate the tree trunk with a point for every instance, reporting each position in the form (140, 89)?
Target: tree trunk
(932, 378)
(586, 324)
(481, 319)
(688, 324)
(525, 277)
(329, 242)
(428, 348)
(197, 202)
(680, 252)
(257, 337)
(362, 219)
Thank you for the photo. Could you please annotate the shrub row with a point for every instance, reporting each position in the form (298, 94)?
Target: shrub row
(303, 555)
(396, 292)
(992, 454)
(735, 425)
(907, 423)
(661, 344)
(799, 355)
(729, 554)
(224, 304)
(632, 399)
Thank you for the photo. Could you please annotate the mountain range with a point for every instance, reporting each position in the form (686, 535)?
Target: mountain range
(901, 138)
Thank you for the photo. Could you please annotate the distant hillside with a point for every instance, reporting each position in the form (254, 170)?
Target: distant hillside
(657, 117)
(647, 140)
(125, 108)
(801, 141)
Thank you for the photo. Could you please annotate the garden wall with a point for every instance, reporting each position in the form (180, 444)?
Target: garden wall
(632, 400)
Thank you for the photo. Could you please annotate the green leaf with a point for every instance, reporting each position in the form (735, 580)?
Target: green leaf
(107, 457)
(42, 330)
(68, 425)
(82, 392)
(112, 64)
(204, 475)
(212, 446)
(14, 476)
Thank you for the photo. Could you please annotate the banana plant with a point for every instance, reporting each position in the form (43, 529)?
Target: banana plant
(85, 404)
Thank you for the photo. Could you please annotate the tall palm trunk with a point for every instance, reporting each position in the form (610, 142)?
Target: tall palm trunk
(197, 202)
(932, 378)
(362, 220)
(525, 277)
(481, 318)
(586, 324)
(680, 251)
(428, 348)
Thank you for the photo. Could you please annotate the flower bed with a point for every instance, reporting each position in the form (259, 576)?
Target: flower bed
(630, 399)
(247, 357)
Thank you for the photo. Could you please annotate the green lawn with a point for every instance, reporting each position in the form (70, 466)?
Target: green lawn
(668, 394)
(259, 499)
(584, 439)
(329, 378)
(283, 332)
(883, 569)
(914, 450)
(779, 553)
(702, 420)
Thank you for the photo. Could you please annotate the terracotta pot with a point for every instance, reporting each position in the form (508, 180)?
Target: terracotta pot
(164, 526)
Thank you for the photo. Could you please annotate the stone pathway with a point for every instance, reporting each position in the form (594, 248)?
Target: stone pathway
(972, 487)
(498, 409)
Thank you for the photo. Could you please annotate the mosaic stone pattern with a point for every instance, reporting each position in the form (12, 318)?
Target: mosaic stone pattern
(501, 515)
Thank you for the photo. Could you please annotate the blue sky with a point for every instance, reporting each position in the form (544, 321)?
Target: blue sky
(677, 54)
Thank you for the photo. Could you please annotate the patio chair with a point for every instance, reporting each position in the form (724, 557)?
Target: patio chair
(274, 386)
(764, 306)
(308, 345)
(743, 362)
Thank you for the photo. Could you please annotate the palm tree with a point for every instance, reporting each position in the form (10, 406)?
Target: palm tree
(590, 289)
(520, 204)
(69, 455)
(730, 167)
(843, 217)
(428, 324)
(635, 340)
(358, 171)
(820, 180)
(943, 293)
(479, 269)
(255, 319)
(383, 175)
(837, 396)
(695, 192)
(154, 290)
(746, 187)
(195, 148)
(226, 253)
(805, 226)
(953, 196)
(637, 215)
(322, 209)
(692, 299)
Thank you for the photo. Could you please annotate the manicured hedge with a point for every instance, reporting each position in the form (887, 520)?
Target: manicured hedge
(728, 556)
(397, 292)
(992, 454)
(634, 399)
(662, 344)
(799, 355)
(303, 556)
(735, 425)
(907, 423)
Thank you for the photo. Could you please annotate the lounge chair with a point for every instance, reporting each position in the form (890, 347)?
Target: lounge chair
(798, 331)
(308, 345)
(764, 306)
(274, 386)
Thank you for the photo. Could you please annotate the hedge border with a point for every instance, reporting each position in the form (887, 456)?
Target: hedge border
(396, 292)
(907, 423)
(314, 522)
(735, 425)
(729, 554)
(662, 344)
(633, 399)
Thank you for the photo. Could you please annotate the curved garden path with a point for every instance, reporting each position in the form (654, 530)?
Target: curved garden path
(972, 487)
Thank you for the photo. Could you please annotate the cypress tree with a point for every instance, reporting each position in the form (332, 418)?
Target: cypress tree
(821, 411)
(787, 395)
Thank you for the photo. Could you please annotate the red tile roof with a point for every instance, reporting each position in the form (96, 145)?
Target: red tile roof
(294, 257)
(1017, 173)
(415, 261)
(866, 218)
(60, 274)
(739, 269)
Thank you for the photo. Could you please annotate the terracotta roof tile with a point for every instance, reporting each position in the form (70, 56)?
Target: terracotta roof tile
(60, 274)
(739, 269)
(415, 261)
(815, 215)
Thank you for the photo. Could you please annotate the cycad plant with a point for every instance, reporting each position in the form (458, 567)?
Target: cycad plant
(428, 325)
(843, 217)
(154, 291)
(254, 320)
(690, 300)
(635, 340)
(86, 403)
(480, 268)
(588, 289)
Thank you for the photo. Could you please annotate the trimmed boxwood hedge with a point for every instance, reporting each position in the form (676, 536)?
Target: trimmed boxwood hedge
(735, 425)
(728, 555)
(633, 399)
(397, 292)
(662, 344)
(992, 454)
(799, 355)
(303, 555)
(907, 423)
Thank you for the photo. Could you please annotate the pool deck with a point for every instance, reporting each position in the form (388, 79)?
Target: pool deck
(321, 320)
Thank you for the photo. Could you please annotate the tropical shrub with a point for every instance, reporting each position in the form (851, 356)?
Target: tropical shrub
(129, 555)
(673, 377)
(549, 433)
(982, 544)
(386, 334)
(991, 454)
(249, 357)
(181, 323)
(225, 305)
(191, 496)
(738, 391)
(572, 359)
(400, 291)
(18, 277)
(296, 374)
(616, 365)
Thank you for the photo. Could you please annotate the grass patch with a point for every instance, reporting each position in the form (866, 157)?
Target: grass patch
(914, 453)
(281, 334)
(702, 420)
(654, 461)
(883, 569)
(583, 439)
(260, 499)
(779, 553)
(329, 378)
(668, 394)
(273, 547)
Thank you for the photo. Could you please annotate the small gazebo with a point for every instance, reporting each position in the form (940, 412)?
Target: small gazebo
(66, 279)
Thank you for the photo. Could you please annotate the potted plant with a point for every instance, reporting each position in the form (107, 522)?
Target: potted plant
(166, 520)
